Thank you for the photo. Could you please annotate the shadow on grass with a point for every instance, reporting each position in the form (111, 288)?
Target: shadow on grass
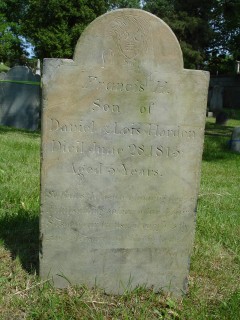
(233, 113)
(217, 143)
(32, 134)
(19, 228)
(218, 130)
(20, 235)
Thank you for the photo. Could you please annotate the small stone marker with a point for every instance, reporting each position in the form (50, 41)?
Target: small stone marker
(20, 98)
(235, 140)
(123, 127)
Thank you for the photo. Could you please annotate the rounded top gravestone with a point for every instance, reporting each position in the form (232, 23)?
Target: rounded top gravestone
(122, 140)
(20, 98)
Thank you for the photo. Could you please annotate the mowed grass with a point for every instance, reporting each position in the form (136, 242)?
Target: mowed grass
(214, 280)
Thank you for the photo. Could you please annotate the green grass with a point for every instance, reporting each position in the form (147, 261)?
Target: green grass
(214, 290)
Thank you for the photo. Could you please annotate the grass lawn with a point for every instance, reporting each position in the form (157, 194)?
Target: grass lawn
(214, 280)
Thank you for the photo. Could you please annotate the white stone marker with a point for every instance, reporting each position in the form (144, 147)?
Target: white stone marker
(123, 127)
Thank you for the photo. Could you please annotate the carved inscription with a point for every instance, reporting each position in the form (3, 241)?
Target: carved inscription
(130, 36)
(80, 126)
(122, 169)
(115, 128)
(138, 86)
(66, 194)
(161, 150)
(99, 106)
(66, 212)
(133, 150)
(94, 226)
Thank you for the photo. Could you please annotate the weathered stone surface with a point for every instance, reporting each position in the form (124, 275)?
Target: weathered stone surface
(20, 99)
(122, 140)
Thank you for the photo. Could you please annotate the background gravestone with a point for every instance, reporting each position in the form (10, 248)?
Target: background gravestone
(123, 127)
(2, 75)
(216, 98)
(19, 101)
(235, 140)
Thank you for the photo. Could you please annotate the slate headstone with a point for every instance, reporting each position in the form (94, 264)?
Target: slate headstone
(216, 98)
(221, 118)
(20, 98)
(122, 140)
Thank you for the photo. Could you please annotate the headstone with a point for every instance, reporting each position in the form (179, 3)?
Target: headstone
(38, 68)
(122, 140)
(216, 98)
(20, 98)
(221, 118)
(235, 140)
(238, 67)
